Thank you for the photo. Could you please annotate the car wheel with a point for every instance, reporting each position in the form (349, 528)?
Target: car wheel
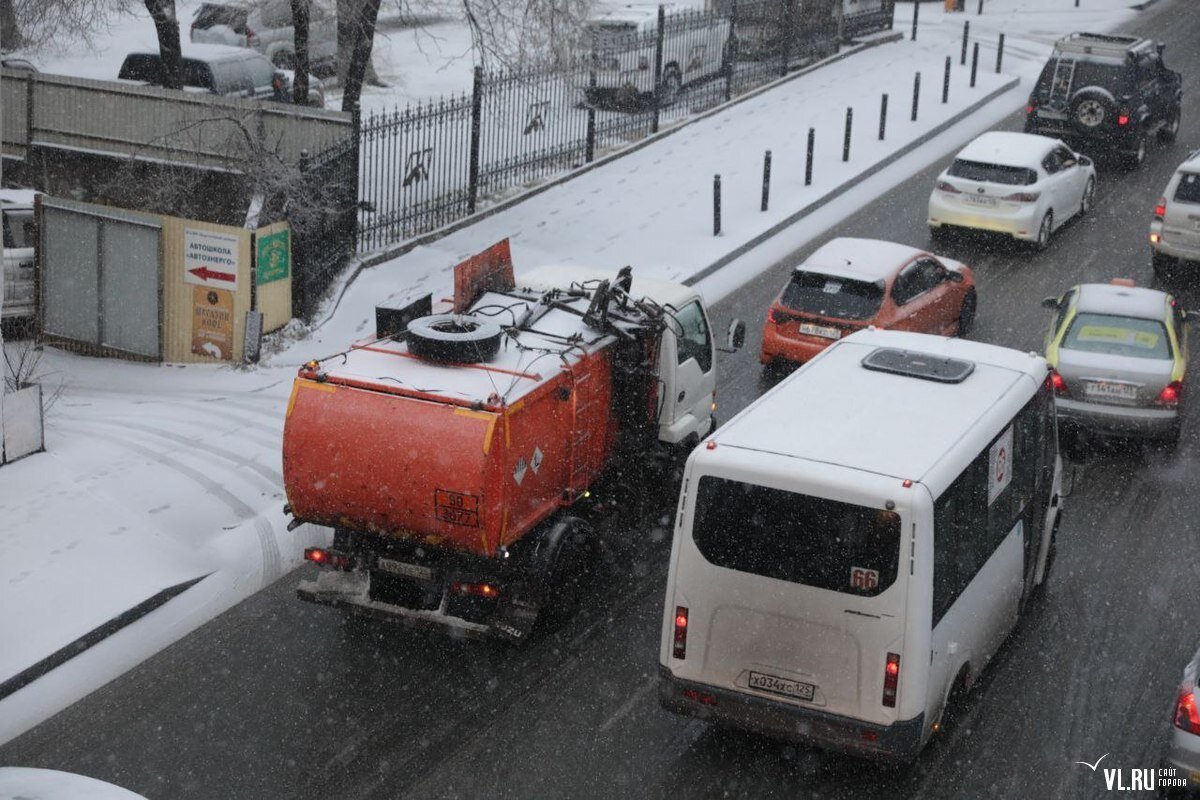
(1089, 198)
(668, 90)
(966, 313)
(1169, 131)
(1136, 157)
(1163, 265)
(1044, 230)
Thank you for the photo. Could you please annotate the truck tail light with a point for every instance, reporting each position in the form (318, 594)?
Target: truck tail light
(681, 625)
(891, 679)
(698, 696)
(1123, 118)
(1022, 197)
(1170, 394)
(1187, 717)
(1060, 385)
(1030, 108)
(948, 188)
(326, 558)
(482, 589)
(1160, 209)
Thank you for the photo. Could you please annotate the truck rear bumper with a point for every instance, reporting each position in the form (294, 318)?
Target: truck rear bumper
(349, 591)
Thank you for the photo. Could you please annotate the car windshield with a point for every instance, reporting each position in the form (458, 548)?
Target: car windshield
(992, 173)
(142, 67)
(795, 537)
(814, 293)
(1188, 190)
(1118, 336)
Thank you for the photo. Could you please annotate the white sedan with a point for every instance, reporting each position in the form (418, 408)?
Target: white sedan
(1016, 183)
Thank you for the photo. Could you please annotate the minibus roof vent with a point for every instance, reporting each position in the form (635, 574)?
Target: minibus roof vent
(918, 365)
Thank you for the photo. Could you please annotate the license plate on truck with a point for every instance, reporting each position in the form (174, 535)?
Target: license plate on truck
(406, 570)
(785, 686)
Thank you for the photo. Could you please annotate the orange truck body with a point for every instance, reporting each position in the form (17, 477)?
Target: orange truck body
(378, 457)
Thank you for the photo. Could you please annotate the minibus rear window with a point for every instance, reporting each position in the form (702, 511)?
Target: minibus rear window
(794, 537)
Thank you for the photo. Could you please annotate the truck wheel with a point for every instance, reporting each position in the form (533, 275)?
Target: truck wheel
(1137, 156)
(454, 338)
(1090, 110)
(1170, 130)
(569, 572)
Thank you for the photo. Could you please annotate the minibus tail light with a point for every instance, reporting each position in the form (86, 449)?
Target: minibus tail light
(891, 679)
(681, 624)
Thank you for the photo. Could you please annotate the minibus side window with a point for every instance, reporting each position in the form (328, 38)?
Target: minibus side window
(960, 543)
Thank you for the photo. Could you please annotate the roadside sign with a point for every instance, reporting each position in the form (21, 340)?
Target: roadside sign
(274, 257)
(211, 258)
(212, 323)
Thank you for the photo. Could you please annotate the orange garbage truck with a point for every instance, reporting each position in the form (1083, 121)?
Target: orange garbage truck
(450, 457)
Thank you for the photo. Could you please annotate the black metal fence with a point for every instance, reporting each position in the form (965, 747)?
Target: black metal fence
(324, 220)
(431, 164)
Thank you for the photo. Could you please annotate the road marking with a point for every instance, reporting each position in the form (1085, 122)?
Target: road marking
(629, 704)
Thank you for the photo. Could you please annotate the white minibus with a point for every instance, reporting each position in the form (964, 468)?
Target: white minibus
(853, 547)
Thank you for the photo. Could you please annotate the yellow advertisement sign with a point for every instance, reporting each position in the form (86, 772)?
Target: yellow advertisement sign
(212, 323)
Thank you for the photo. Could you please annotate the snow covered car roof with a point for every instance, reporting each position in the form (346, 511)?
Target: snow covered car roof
(20, 198)
(1124, 301)
(31, 783)
(813, 414)
(1009, 149)
(859, 259)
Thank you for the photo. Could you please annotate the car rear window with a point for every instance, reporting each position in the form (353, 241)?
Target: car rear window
(794, 537)
(142, 67)
(992, 173)
(18, 228)
(1118, 336)
(1188, 190)
(211, 15)
(814, 293)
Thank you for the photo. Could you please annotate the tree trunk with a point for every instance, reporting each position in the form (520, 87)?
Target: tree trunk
(166, 25)
(363, 32)
(300, 44)
(10, 33)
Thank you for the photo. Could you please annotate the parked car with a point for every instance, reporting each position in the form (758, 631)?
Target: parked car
(16, 208)
(849, 284)
(1119, 355)
(1183, 754)
(222, 70)
(18, 63)
(1108, 93)
(267, 27)
(1175, 230)
(1016, 183)
(621, 46)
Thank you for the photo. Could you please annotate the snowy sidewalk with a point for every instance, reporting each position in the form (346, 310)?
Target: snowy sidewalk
(157, 475)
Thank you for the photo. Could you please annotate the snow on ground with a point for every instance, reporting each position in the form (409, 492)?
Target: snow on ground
(158, 474)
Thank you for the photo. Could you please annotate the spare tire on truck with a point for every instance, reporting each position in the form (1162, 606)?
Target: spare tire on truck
(1091, 108)
(454, 338)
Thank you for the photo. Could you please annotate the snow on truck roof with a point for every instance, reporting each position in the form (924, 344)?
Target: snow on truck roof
(1009, 149)
(859, 259)
(834, 410)
(534, 358)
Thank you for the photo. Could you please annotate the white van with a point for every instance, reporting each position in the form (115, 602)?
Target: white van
(852, 548)
(16, 205)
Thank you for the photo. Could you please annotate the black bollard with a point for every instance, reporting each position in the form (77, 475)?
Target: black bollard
(916, 95)
(916, 13)
(716, 205)
(974, 63)
(812, 139)
(966, 36)
(1000, 54)
(846, 138)
(882, 116)
(766, 179)
(946, 82)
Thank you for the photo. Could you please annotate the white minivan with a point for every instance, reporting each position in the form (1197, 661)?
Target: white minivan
(16, 206)
(852, 548)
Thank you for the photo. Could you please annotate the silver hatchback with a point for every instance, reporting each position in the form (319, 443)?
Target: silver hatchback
(1119, 359)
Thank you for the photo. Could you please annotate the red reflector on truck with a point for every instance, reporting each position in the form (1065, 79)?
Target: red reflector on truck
(679, 650)
(891, 679)
(326, 558)
(700, 697)
(475, 589)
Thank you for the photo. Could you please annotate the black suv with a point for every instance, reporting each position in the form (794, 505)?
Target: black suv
(1106, 92)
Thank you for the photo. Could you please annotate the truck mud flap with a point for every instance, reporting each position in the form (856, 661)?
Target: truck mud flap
(514, 619)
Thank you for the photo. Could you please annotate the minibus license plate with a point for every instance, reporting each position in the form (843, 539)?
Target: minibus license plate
(770, 683)
(417, 571)
(824, 331)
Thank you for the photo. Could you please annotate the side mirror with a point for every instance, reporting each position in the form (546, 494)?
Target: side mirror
(1191, 317)
(1051, 303)
(735, 337)
(1084, 161)
(954, 276)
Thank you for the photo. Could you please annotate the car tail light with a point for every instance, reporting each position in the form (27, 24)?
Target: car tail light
(1029, 109)
(891, 679)
(1187, 717)
(681, 625)
(1060, 385)
(326, 558)
(1022, 197)
(1170, 394)
(487, 590)
(948, 188)
(700, 697)
(1123, 118)
(1160, 209)
(277, 84)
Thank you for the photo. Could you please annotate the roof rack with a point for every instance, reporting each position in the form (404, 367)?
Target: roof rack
(918, 365)
(1100, 44)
